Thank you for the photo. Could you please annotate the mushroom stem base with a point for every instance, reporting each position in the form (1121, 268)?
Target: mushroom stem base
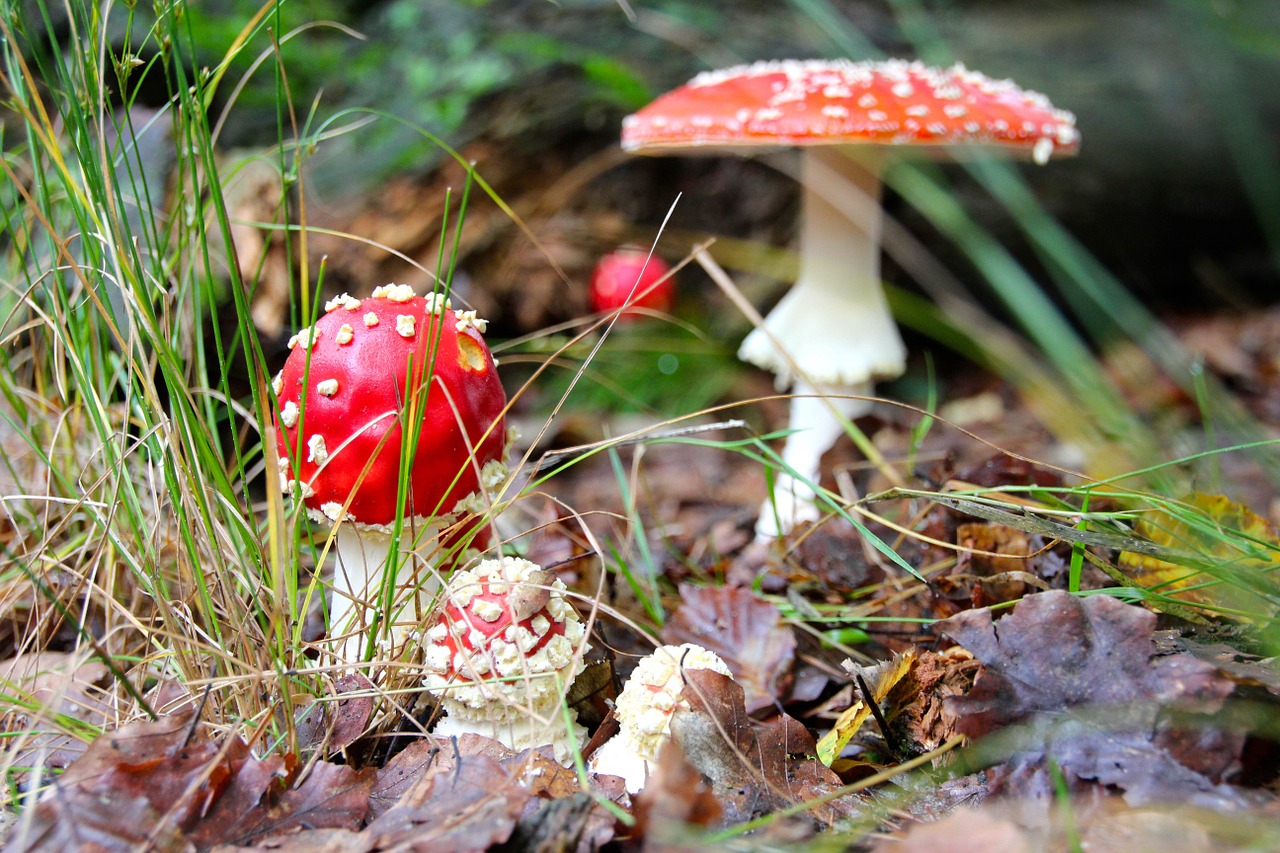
(815, 427)
(522, 732)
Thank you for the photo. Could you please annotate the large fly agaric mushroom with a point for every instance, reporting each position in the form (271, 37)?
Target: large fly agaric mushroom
(832, 335)
(644, 709)
(350, 388)
(506, 646)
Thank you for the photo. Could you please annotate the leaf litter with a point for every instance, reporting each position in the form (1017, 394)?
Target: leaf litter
(1092, 704)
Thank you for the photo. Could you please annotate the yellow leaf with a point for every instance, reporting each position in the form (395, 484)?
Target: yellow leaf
(1232, 546)
(880, 680)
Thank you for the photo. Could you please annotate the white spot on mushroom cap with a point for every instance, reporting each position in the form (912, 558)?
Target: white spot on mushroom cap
(277, 383)
(345, 334)
(437, 303)
(394, 292)
(342, 301)
(489, 611)
(469, 318)
(333, 511)
(405, 325)
(289, 415)
(1043, 150)
(317, 452)
(370, 320)
(327, 387)
(305, 338)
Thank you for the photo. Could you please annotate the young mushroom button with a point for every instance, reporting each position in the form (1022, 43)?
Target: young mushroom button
(505, 648)
(350, 388)
(644, 709)
(832, 335)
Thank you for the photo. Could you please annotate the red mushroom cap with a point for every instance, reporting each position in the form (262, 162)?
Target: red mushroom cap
(504, 631)
(360, 353)
(622, 273)
(815, 102)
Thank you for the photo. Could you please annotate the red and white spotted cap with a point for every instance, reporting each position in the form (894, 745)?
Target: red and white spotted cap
(506, 638)
(342, 392)
(819, 102)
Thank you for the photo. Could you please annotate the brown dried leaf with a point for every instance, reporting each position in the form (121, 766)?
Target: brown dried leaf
(746, 631)
(336, 723)
(1085, 667)
(917, 706)
(1055, 650)
(471, 807)
(675, 796)
(996, 578)
(252, 785)
(572, 823)
(139, 785)
(753, 769)
(330, 796)
(405, 768)
(962, 831)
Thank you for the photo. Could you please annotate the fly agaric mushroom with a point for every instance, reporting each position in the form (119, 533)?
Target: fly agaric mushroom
(644, 709)
(506, 646)
(832, 335)
(349, 388)
(629, 278)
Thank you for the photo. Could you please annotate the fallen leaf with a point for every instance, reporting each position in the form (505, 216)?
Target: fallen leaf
(999, 559)
(134, 787)
(744, 630)
(334, 723)
(916, 706)
(330, 796)
(1083, 669)
(465, 809)
(575, 823)
(1055, 650)
(880, 679)
(753, 769)
(1242, 549)
(962, 831)
(253, 783)
(405, 768)
(674, 798)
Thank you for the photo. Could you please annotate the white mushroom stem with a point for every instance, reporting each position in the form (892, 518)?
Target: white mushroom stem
(814, 429)
(832, 333)
(358, 588)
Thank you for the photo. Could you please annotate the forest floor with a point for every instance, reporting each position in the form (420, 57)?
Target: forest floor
(1008, 714)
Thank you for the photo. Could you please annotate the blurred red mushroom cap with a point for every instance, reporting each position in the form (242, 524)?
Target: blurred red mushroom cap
(631, 272)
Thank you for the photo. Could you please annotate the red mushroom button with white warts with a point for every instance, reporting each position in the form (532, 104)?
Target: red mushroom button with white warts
(505, 648)
(644, 709)
(630, 277)
(347, 392)
(832, 334)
